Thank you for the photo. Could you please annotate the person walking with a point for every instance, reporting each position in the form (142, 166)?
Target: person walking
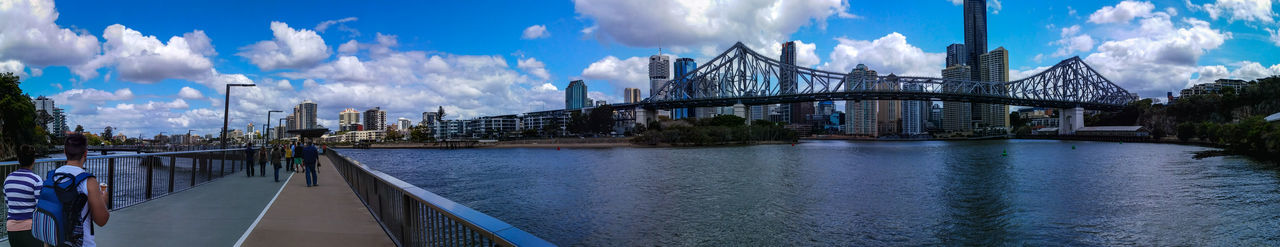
(276, 154)
(248, 157)
(264, 155)
(297, 157)
(288, 156)
(20, 190)
(96, 206)
(309, 158)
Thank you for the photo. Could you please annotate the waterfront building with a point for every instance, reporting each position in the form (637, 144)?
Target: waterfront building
(1214, 88)
(995, 68)
(545, 122)
(494, 126)
(404, 124)
(659, 72)
(631, 95)
(889, 112)
(935, 116)
(375, 119)
(975, 35)
(957, 55)
(57, 120)
(956, 116)
(789, 83)
(575, 96)
(861, 118)
(914, 112)
(759, 112)
(684, 66)
(429, 118)
(347, 119)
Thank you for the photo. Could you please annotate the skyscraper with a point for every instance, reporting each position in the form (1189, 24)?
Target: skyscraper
(995, 68)
(575, 96)
(684, 66)
(375, 119)
(956, 116)
(889, 112)
(860, 116)
(430, 117)
(404, 124)
(975, 35)
(659, 73)
(347, 119)
(913, 112)
(631, 95)
(305, 115)
(789, 83)
(957, 55)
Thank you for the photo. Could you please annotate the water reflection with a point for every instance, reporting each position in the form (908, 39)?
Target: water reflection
(977, 190)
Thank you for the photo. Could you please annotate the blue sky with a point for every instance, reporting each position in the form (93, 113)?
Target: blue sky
(146, 66)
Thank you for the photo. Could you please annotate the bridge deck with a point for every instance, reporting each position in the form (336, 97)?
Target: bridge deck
(222, 212)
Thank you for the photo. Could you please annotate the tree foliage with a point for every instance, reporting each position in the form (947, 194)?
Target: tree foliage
(17, 115)
(394, 135)
(420, 133)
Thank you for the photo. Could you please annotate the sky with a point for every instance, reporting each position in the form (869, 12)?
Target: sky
(143, 67)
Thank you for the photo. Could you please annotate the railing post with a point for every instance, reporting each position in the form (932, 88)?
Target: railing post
(150, 170)
(404, 222)
(194, 164)
(224, 164)
(173, 165)
(208, 174)
(111, 183)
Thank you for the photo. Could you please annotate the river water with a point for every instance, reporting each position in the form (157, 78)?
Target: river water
(826, 193)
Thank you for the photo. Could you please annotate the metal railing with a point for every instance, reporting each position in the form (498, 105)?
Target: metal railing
(416, 217)
(137, 178)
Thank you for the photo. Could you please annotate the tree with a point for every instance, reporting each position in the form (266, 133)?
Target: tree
(79, 129)
(727, 121)
(420, 133)
(394, 135)
(1186, 130)
(106, 133)
(17, 115)
(440, 113)
(600, 120)
(92, 139)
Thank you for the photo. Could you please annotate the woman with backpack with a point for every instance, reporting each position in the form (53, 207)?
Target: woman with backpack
(20, 190)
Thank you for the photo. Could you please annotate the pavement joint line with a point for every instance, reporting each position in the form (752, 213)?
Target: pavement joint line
(264, 211)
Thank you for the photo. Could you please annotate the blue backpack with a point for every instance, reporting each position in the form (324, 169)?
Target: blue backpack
(58, 208)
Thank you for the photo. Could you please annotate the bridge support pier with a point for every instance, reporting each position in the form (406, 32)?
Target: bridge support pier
(1070, 120)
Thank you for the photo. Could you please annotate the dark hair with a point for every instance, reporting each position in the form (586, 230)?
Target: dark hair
(26, 155)
(75, 148)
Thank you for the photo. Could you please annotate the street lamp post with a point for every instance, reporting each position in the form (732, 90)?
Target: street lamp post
(268, 127)
(278, 122)
(226, 109)
(188, 139)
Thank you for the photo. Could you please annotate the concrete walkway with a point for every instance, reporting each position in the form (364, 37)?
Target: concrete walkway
(213, 214)
(325, 215)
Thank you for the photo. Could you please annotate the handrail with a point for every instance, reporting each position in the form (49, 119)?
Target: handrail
(4, 163)
(420, 227)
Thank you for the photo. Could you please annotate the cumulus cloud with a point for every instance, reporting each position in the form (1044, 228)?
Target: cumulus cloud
(806, 55)
(290, 49)
(1073, 42)
(190, 93)
(696, 25)
(1156, 55)
(1122, 12)
(534, 67)
(992, 5)
(13, 66)
(144, 59)
(632, 72)
(1275, 36)
(30, 35)
(888, 54)
(351, 47)
(535, 32)
(1238, 10)
(86, 101)
(1245, 70)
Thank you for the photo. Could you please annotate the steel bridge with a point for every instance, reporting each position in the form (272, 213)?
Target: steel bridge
(741, 75)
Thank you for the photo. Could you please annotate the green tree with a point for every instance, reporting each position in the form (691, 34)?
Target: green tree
(17, 115)
(394, 135)
(106, 134)
(1186, 131)
(727, 121)
(79, 129)
(420, 133)
(600, 120)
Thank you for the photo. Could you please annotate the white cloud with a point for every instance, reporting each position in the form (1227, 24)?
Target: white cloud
(87, 101)
(992, 5)
(13, 66)
(1242, 10)
(144, 59)
(1073, 42)
(535, 32)
(30, 35)
(1156, 56)
(351, 47)
(632, 72)
(534, 67)
(694, 25)
(888, 54)
(1275, 36)
(190, 93)
(290, 49)
(1122, 12)
(806, 55)
(324, 25)
(1245, 70)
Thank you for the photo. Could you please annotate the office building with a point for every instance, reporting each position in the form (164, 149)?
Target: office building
(56, 124)
(956, 116)
(429, 118)
(975, 35)
(1213, 88)
(935, 116)
(375, 119)
(631, 95)
(888, 112)
(860, 116)
(957, 55)
(304, 115)
(291, 122)
(347, 119)
(404, 124)
(759, 112)
(575, 96)
(914, 112)
(683, 67)
(659, 73)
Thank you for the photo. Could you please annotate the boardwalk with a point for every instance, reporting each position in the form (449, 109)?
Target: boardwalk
(325, 215)
(223, 212)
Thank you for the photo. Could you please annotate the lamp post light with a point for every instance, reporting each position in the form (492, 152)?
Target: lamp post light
(266, 130)
(226, 109)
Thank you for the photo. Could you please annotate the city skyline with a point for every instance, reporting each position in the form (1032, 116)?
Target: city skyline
(169, 79)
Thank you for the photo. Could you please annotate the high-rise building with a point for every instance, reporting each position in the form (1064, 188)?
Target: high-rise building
(659, 73)
(250, 128)
(631, 95)
(375, 119)
(404, 124)
(759, 112)
(860, 116)
(429, 118)
(291, 121)
(975, 35)
(347, 119)
(575, 96)
(995, 68)
(789, 83)
(957, 55)
(57, 120)
(683, 67)
(956, 116)
(935, 116)
(889, 113)
(304, 115)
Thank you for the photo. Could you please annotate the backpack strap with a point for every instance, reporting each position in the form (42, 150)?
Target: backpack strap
(84, 176)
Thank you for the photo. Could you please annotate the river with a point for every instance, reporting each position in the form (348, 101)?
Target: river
(825, 193)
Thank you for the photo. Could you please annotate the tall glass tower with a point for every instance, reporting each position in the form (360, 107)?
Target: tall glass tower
(575, 96)
(975, 35)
